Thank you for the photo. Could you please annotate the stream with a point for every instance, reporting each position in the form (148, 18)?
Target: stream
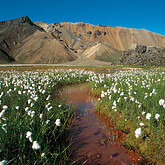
(92, 138)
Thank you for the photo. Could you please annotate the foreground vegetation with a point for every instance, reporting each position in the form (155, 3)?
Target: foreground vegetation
(135, 103)
(33, 122)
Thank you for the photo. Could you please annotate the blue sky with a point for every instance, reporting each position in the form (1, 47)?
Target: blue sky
(147, 14)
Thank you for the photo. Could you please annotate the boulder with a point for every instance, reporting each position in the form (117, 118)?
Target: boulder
(89, 32)
(98, 32)
(141, 48)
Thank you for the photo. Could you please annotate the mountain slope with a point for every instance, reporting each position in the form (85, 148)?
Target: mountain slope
(117, 37)
(12, 33)
(43, 48)
(22, 41)
(102, 52)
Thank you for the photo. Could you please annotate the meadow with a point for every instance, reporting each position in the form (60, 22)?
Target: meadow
(34, 122)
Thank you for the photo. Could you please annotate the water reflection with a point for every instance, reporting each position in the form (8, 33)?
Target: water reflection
(89, 133)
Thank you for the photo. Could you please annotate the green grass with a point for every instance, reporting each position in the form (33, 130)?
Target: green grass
(35, 91)
(142, 90)
(124, 97)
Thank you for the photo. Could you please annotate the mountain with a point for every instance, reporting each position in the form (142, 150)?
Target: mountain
(12, 33)
(119, 38)
(23, 41)
(43, 48)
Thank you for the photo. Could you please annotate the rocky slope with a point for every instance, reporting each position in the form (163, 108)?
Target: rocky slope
(23, 41)
(143, 55)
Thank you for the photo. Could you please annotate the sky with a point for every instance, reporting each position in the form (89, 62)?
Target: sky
(139, 14)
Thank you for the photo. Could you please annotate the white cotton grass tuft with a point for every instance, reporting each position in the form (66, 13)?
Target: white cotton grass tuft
(122, 94)
(114, 103)
(113, 107)
(29, 101)
(3, 162)
(4, 127)
(48, 97)
(32, 104)
(157, 116)
(47, 105)
(102, 95)
(4, 118)
(2, 113)
(35, 146)
(161, 102)
(19, 92)
(139, 106)
(143, 113)
(141, 124)
(47, 121)
(30, 139)
(32, 113)
(138, 132)
(28, 134)
(125, 98)
(41, 115)
(58, 122)
(148, 116)
(43, 154)
(17, 107)
(49, 108)
(35, 98)
(5, 107)
(27, 109)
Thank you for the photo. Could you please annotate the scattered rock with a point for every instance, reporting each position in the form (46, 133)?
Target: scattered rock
(89, 32)
(94, 35)
(143, 55)
(98, 32)
(140, 49)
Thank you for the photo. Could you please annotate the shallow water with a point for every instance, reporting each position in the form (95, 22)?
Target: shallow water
(92, 139)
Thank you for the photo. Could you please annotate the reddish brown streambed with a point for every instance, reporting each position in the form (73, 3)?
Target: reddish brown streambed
(93, 140)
